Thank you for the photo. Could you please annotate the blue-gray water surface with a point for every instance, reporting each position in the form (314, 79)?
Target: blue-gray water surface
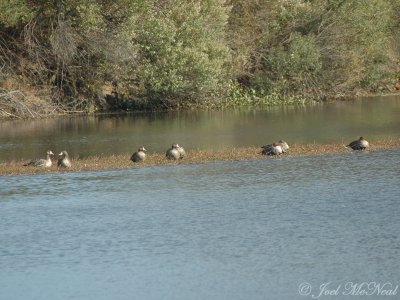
(226, 230)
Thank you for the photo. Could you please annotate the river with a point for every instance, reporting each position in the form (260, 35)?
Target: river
(259, 229)
(336, 122)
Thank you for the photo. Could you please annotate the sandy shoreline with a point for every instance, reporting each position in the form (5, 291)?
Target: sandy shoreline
(122, 161)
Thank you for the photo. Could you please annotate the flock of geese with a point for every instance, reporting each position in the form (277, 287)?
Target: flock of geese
(177, 152)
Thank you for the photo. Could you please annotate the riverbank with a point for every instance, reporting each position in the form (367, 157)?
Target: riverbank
(122, 161)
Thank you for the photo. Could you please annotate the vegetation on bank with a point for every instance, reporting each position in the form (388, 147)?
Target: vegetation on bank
(94, 163)
(91, 55)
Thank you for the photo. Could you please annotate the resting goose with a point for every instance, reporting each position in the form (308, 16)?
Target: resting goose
(267, 148)
(360, 144)
(284, 145)
(43, 163)
(272, 149)
(139, 155)
(175, 152)
(63, 160)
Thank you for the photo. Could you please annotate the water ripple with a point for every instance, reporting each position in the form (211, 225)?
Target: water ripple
(223, 230)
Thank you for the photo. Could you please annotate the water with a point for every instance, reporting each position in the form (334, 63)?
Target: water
(226, 230)
(337, 122)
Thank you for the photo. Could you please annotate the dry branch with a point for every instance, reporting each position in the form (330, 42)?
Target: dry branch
(15, 104)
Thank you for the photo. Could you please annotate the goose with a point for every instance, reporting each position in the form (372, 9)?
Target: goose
(175, 152)
(272, 149)
(44, 163)
(281, 143)
(182, 152)
(267, 149)
(139, 155)
(284, 145)
(63, 160)
(360, 144)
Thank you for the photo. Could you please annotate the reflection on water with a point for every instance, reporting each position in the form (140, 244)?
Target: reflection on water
(226, 230)
(337, 122)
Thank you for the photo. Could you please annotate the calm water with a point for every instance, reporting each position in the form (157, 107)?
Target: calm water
(339, 122)
(227, 230)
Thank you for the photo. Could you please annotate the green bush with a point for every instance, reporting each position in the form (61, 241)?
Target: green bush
(318, 48)
(182, 54)
(91, 54)
(13, 12)
(289, 70)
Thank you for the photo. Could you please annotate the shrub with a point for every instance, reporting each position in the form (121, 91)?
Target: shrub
(182, 55)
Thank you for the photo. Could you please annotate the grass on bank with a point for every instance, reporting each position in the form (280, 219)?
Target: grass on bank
(122, 161)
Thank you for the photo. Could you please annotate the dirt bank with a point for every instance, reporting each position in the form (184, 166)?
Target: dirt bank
(193, 157)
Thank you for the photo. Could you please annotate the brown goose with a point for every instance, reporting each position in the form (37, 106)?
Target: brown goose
(63, 160)
(267, 148)
(272, 149)
(284, 145)
(43, 163)
(139, 155)
(175, 152)
(360, 144)
(275, 148)
(182, 152)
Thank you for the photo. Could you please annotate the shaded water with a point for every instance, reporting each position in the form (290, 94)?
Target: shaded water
(338, 122)
(227, 230)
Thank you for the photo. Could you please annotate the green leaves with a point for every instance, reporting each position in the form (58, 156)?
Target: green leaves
(14, 11)
(183, 56)
(164, 53)
(318, 48)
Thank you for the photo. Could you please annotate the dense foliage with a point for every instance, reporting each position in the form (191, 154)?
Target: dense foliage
(85, 55)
